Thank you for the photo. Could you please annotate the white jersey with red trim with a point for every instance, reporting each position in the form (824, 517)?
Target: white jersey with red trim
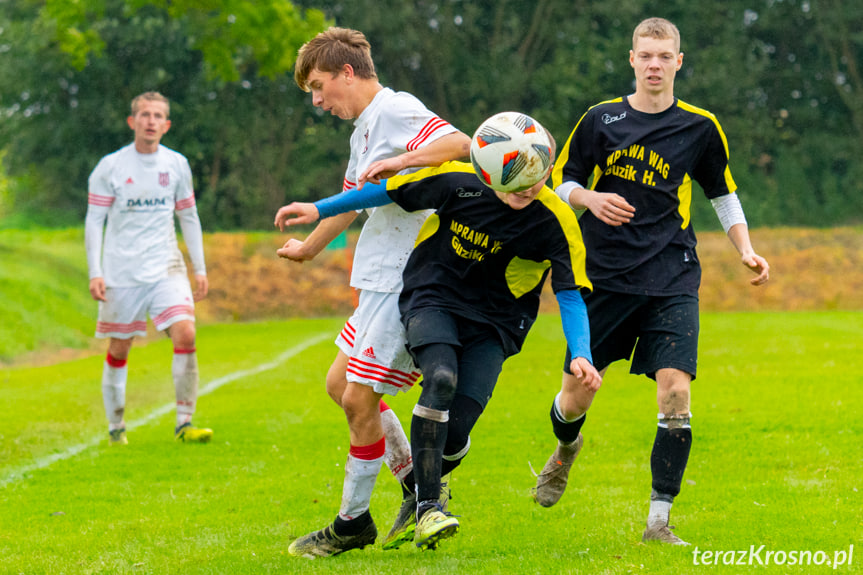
(394, 123)
(138, 195)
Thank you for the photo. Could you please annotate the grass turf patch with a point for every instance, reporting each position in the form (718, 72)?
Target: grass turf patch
(776, 460)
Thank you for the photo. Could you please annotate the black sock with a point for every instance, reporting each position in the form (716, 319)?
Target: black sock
(669, 457)
(355, 526)
(565, 431)
(409, 483)
(427, 440)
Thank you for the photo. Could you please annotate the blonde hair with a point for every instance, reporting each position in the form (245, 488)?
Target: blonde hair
(151, 97)
(330, 50)
(657, 28)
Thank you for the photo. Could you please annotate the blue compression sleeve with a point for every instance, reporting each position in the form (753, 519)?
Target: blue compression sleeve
(576, 329)
(369, 196)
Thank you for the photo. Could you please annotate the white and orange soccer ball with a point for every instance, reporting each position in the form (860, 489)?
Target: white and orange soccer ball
(510, 152)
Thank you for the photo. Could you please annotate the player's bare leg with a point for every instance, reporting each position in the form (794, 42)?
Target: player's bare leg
(398, 448)
(114, 376)
(337, 379)
(670, 452)
(568, 412)
(184, 369)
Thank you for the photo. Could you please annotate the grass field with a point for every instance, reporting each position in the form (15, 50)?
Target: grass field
(776, 460)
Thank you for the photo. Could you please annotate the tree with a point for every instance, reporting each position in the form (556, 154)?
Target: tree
(781, 76)
(72, 68)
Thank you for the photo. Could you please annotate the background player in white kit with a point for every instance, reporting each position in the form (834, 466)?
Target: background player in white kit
(138, 269)
(337, 68)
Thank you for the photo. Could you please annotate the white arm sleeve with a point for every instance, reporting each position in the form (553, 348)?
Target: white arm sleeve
(94, 227)
(99, 200)
(565, 189)
(190, 224)
(729, 211)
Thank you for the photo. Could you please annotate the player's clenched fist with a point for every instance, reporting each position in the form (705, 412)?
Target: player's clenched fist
(296, 213)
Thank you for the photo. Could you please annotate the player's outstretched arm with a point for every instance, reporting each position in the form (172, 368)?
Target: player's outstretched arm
(450, 147)
(304, 213)
(296, 213)
(739, 236)
(326, 231)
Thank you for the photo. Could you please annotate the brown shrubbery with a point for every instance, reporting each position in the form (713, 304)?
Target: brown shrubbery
(810, 270)
(248, 281)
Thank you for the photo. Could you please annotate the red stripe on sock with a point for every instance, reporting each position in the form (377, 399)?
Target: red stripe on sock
(183, 351)
(369, 452)
(114, 362)
(384, 406)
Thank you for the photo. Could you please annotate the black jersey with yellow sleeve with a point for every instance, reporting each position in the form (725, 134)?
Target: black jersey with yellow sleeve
(650, 160)
(480, 259)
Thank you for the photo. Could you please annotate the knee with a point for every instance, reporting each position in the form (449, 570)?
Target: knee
(336, 383)
(439, 386)
(673, 392)
(120, 348)
(183, 335)
(359, 407)
(575, 399)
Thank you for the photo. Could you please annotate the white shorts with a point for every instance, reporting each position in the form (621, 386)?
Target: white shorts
(124, 313)
(374, 341)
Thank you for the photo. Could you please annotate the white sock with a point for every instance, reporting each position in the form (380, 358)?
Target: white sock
(184, 368)
(114, 375)
(398, 449)
(360, 475)
(658, 513)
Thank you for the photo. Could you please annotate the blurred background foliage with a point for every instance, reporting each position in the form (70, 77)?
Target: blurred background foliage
(781, 76)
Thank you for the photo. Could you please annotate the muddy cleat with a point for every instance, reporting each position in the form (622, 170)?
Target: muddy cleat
(118, 437)
(433, 527)
(404, 525)
(551, 482)
(663, 534)
(325, 543)
(187, 432)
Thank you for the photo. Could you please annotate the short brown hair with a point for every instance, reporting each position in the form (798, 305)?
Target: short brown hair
(657, 28)
(330, 50)
(151, 97)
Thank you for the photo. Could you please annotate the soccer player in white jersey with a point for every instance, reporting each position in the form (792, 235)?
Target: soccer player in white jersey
(337, 68)
(136, 267)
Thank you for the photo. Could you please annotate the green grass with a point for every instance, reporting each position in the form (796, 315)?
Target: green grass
(776, 460)
(44, 292)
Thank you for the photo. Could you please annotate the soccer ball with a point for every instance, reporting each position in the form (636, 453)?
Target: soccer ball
(510, 152)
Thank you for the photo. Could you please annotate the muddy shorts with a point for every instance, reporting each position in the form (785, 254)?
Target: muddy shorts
(656, 332)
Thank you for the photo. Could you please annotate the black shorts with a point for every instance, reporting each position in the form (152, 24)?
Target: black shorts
(478, 348)
(655, 331)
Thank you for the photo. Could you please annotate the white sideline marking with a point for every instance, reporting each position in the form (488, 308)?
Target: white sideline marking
(43, 462)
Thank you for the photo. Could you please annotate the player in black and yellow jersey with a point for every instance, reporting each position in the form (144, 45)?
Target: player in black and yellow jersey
(471, 293)
(631, 163)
